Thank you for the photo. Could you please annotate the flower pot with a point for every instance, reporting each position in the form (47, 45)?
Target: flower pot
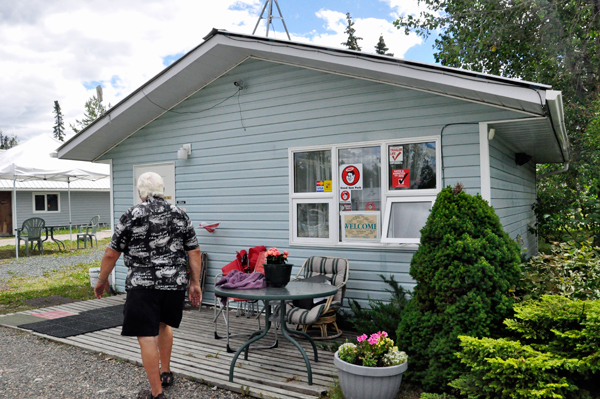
(359, 382)
(278, 275)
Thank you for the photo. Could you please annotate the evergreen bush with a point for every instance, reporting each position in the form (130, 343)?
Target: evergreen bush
(381, 315)
(556, 355)
(465, 269)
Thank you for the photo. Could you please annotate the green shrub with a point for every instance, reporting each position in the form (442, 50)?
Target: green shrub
(382, 315)
(436, 396)
(570, 269)
(556, 355)
(465, 268)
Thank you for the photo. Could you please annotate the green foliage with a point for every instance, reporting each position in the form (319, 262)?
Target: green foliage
(381, 48)
(570, 269)
(436, 396)
(352, 41)
(381, 315)
(556, 355)
(465, 268)
(7, 142)
(93, 110)
(59, 124)
(551, 42)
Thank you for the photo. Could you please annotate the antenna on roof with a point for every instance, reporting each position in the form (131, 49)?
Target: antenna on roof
(270, 17)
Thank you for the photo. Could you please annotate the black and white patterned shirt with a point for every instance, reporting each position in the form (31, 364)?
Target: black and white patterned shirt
(154, 237)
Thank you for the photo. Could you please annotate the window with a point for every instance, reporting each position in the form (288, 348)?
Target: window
(46, 202)
(341, 194)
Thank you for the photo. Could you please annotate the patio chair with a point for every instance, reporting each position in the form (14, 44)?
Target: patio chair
(320, 313)
(244, 307)
(31, 232)
(88, 231)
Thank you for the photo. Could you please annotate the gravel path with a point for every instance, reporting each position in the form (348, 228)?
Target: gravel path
(34, 266)
(35, 368)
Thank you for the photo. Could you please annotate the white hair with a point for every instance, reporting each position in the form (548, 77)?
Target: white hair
(150, 184)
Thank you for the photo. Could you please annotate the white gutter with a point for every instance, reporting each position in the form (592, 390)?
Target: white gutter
(557, 116)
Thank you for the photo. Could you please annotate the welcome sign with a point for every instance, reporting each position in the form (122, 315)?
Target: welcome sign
(360, 225)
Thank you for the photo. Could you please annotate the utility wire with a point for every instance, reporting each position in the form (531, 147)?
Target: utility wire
(191, 112)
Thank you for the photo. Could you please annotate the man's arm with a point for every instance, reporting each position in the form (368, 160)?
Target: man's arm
(106, 267)
(195, 260)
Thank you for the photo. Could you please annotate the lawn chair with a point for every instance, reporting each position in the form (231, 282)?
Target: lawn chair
(244, 307)
(31, 232)
(88, 231)
(322, 313)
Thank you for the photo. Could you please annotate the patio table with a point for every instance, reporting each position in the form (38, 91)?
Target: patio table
(294, 290)
(58, 242)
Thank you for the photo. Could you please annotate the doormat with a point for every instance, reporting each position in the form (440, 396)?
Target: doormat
(53, 314)
(17, 319)
(84, 322)
(53, 300)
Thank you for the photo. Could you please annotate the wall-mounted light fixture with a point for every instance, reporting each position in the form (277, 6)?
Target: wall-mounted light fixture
(184, 151)
(491, 134)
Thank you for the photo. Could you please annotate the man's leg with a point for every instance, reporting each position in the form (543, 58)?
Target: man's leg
(165, 346)
(150, 359)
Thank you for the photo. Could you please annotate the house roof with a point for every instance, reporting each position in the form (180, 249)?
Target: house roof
(541, 132)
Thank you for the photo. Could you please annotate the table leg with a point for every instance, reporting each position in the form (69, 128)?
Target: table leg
(58, 242)
(308, 337)
(249, 342)
(284, 332)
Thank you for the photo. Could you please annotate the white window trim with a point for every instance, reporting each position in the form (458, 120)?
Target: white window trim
(331, 197)
(386, 218)
(33, 194)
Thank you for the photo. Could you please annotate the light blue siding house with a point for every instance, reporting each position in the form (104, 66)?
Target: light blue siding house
(323, 151)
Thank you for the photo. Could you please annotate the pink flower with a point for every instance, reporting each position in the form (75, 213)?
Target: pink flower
(361, 338)
(373, 340)
(383, 334)
(286, 253)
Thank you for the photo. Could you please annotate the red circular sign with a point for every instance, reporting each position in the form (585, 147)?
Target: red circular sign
(370, 206)
(350, 175)
(345, 195)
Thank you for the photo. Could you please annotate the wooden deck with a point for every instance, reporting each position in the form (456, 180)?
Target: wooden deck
(272, 373)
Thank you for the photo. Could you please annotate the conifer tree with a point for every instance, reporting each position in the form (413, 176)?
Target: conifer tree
(352, 42)
(381, 48)
(93, 110)
(7, 142)
(59, 124)
(465, 269)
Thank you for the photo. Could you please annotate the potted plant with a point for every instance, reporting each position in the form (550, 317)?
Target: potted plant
(371, 369)
(277, 270)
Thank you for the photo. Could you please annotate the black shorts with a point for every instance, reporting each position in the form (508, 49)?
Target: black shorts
(145, 309)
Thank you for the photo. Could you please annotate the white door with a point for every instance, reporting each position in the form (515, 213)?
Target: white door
(165, 170)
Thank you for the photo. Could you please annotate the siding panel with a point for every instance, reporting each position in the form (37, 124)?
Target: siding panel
(238, 171)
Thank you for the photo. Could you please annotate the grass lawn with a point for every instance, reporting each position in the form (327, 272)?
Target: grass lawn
(71, 282)
(7, 252)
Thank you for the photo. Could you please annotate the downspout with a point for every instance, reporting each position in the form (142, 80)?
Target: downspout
(554, 172)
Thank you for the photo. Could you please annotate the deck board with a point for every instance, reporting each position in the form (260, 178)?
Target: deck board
(268, 373)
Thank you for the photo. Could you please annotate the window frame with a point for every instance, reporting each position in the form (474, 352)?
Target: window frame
(386, 218)
(335, 233)
(34, 194)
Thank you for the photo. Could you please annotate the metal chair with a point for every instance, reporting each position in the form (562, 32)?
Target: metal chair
(31, 232)
(90, 232)
(322, 314)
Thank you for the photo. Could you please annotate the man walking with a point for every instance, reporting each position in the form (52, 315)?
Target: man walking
(154, 237)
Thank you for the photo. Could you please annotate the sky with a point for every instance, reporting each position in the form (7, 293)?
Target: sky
(60, 50)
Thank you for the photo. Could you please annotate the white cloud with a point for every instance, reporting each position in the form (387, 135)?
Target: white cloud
(60, 49)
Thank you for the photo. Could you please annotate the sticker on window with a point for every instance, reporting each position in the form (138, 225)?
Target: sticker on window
(400, 178)
(351, 177)
(396, 154)
(328, 186)
(320, 186)
(345, 196)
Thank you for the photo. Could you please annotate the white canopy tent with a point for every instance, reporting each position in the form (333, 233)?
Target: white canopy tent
(35, 160)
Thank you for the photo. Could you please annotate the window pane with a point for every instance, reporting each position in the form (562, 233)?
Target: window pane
(310, 168)
(412, 166)
(52, 202)
(407, 219)
(313, 220)
(40, 202)
(365, 160)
